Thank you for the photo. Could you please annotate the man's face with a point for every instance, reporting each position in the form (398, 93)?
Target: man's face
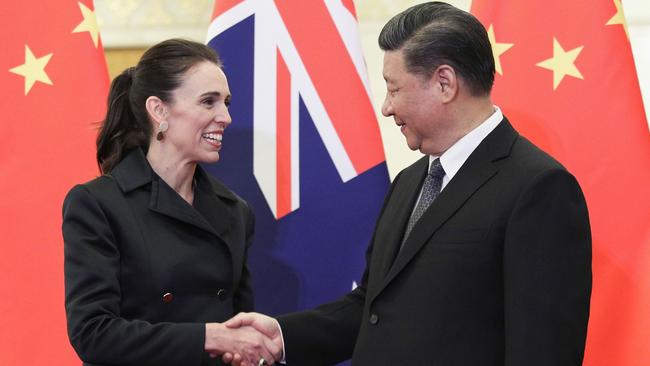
(414, 102)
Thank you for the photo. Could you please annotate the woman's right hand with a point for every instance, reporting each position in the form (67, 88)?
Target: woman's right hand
(245, 341)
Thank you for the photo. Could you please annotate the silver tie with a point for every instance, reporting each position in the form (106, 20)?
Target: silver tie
(430, 190)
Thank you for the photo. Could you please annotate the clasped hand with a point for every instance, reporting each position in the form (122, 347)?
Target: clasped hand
(245, 339)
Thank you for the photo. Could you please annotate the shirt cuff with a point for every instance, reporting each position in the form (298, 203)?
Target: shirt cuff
(284, 355)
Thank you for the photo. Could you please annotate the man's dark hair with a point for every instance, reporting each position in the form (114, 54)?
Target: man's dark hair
(436, 33)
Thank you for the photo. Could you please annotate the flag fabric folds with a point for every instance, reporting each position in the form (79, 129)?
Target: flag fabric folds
(54, 86)
(566, 79)
(304, 147)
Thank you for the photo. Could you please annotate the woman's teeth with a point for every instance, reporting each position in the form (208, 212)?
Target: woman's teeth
(212, 136)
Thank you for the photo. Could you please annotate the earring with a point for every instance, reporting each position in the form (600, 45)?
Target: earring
(162, 127)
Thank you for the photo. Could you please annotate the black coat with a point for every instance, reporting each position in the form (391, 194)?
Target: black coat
(145, 270)
(496, 272)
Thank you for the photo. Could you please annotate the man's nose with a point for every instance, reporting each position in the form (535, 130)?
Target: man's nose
(387, 107)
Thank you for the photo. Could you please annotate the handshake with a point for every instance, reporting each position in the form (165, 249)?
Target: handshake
(248, 339)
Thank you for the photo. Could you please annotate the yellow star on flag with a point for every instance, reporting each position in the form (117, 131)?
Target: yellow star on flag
(33, 69)
(89, 24)
(562, 63)
(619, 18)
(497, 49)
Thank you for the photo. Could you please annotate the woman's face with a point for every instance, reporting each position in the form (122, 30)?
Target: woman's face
(198, 114)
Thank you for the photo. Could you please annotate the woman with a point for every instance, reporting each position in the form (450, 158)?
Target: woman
(155, 248)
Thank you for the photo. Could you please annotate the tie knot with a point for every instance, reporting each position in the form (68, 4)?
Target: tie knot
(436, 170)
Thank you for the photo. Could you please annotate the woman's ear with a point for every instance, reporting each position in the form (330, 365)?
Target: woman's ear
(156, 109)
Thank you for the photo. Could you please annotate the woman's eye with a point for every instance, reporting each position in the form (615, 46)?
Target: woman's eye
(209, 102)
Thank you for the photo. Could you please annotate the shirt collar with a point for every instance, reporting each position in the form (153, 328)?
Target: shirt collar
(454, 158)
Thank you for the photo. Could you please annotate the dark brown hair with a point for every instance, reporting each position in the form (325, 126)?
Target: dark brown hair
(158, 73)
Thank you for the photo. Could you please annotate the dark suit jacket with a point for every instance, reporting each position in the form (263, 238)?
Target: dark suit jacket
(496, 272)
(130, 239)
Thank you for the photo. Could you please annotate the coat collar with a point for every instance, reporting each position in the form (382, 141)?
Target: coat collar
(477, 170)
(211, 196)
(134, 171)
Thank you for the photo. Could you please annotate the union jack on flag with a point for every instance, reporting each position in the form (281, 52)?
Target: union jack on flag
(304, 147)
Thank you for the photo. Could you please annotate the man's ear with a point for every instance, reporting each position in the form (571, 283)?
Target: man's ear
(156, 109)
(446, 80)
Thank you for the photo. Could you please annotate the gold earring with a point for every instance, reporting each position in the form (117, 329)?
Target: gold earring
(162, 127)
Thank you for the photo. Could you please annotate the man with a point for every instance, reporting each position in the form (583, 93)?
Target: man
(485, 260)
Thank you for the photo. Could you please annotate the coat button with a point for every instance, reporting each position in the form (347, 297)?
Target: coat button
(374, 319)
(222, 294)
(167, 297)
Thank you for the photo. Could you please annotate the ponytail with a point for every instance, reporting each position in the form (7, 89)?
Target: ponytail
(120, 131)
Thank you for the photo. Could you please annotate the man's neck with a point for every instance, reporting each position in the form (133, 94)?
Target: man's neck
(472, 112)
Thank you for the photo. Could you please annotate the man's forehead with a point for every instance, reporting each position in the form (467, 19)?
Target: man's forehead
(394, 69)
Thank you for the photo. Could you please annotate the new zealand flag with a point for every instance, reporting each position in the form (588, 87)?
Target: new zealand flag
(304, 147)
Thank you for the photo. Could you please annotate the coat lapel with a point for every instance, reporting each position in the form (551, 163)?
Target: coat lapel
(474, 173)
(214, 212)
(134, 171)
(166, 201)
(213, 203)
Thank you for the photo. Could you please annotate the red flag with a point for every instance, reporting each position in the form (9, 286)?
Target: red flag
(54, 86)
(566, 79)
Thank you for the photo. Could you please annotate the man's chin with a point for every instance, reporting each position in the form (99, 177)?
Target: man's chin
(412, 145)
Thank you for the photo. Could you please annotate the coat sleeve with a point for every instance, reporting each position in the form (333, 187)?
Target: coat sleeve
(547, 273)
(92, 298)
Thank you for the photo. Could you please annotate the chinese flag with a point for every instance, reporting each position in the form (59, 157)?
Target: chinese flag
(54, 86)
(566, 78)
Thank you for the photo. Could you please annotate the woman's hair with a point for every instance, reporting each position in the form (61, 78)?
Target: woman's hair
(158, 73)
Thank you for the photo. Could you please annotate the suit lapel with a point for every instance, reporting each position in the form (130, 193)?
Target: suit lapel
(407, 191)
(447, 203)
(475, 172)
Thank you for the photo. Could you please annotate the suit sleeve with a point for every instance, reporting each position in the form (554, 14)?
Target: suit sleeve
(547, 273)
(92, 298)
(327, 334)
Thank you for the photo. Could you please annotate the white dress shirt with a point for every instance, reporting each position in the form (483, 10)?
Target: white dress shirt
(454, 158)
